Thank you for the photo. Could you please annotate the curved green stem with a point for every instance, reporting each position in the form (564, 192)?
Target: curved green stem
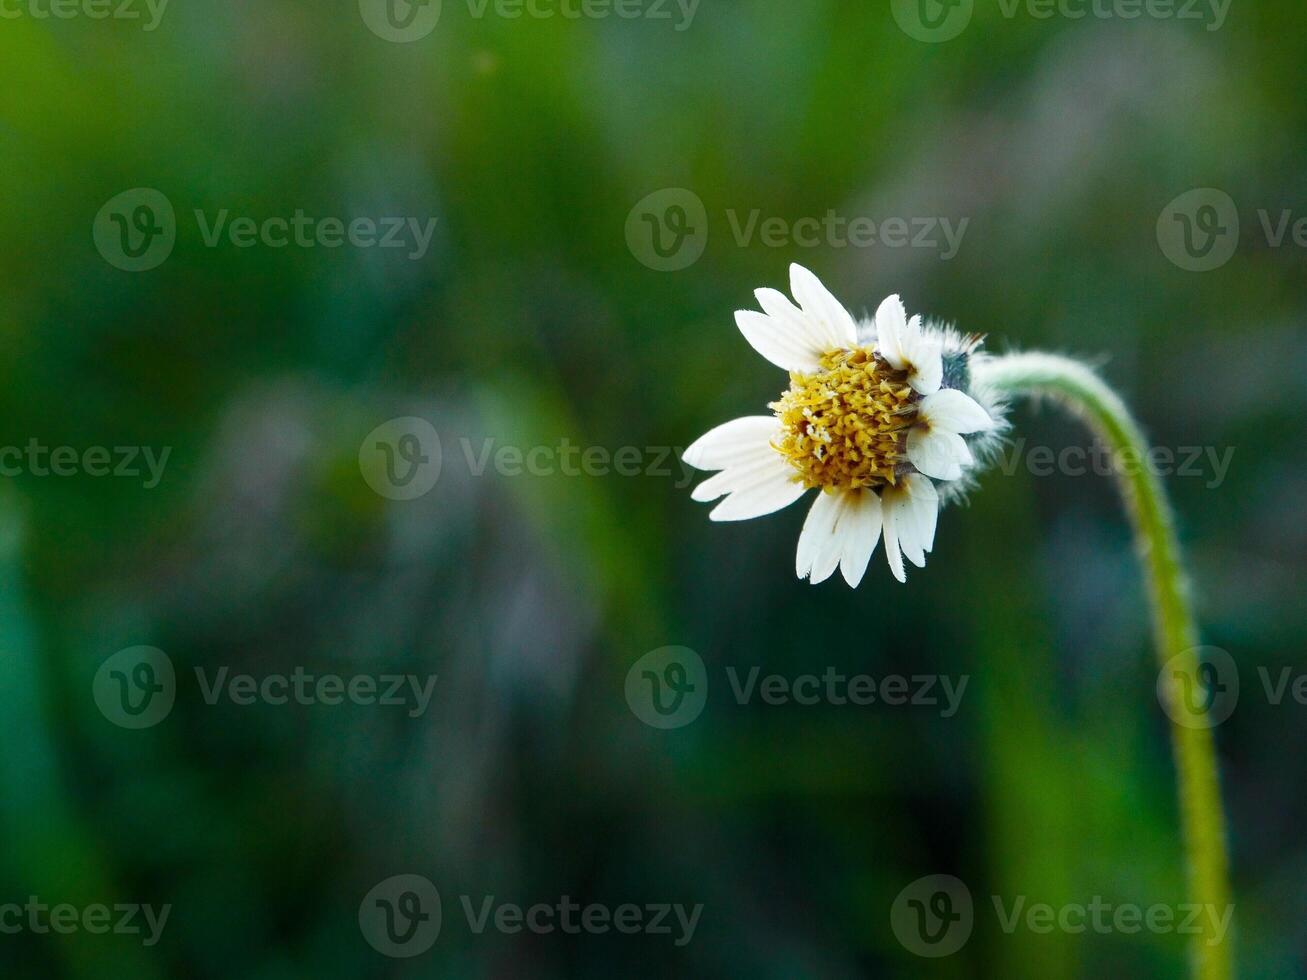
(1175, 632)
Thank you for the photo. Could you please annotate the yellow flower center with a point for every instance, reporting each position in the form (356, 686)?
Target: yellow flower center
(845, 426)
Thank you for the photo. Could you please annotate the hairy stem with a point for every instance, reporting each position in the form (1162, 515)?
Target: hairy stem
(1176, 635)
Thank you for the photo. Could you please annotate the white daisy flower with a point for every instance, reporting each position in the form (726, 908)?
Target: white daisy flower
(873, 416)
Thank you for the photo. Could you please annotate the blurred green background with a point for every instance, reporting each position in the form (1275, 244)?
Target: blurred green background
(534, 317)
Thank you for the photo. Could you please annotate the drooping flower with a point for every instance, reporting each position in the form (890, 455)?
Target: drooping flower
(874, 416)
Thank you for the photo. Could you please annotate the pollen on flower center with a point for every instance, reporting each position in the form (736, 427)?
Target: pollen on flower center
(845, 426)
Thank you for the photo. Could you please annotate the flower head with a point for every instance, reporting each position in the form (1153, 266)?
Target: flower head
(874, 415)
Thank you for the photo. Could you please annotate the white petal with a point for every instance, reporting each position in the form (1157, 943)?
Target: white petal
(736, 441)
(911, 511)
(912, 549)
(893, 554)
(954, 411)
(923, 355)
(830, 547)
(817, 530)
(860, 528)
(765, 491)
(891, 323)
(918, 512)
(829, 313)
(808, 331)
(711, 488)
(735, 476)
(937, 452)
(784, 347)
